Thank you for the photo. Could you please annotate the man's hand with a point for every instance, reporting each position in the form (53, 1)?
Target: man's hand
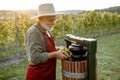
(66, 52)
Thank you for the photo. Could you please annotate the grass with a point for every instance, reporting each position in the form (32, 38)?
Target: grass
(15, 71)
(109, 57)
(108, 54)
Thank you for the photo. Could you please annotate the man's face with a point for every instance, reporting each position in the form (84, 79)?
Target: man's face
(48, 22)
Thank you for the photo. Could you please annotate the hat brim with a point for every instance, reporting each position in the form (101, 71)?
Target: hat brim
(50, 14)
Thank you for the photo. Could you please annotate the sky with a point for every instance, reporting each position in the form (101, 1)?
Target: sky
(60, 5)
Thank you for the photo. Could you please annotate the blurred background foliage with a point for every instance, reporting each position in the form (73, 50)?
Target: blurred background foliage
(87, 24)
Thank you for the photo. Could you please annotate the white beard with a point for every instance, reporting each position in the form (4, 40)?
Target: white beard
(48, 28)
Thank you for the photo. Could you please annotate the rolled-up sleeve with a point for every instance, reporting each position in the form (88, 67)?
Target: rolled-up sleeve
(35, 47)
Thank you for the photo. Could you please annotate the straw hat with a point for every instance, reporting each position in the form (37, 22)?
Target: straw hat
(46, 9)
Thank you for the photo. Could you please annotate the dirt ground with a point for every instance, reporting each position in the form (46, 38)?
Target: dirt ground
(12, 59)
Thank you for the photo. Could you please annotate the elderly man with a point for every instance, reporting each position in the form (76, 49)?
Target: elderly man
(40, 47)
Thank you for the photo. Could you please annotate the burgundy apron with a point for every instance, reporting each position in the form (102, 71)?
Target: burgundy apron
(44, 71)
